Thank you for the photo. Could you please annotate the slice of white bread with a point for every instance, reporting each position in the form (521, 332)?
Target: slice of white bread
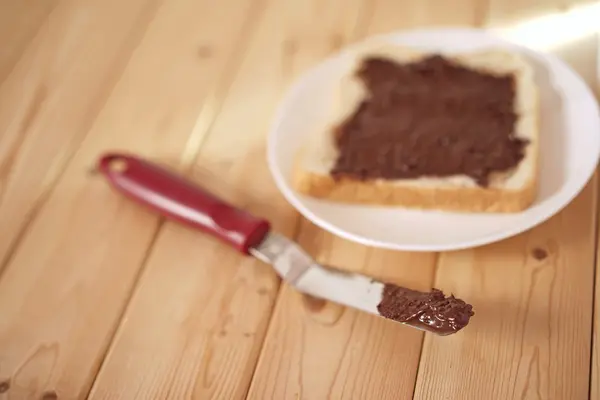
(510, 191)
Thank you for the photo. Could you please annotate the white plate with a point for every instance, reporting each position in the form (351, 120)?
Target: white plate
(570, 146)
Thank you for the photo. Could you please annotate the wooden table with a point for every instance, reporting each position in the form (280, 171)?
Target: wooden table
(100, 298)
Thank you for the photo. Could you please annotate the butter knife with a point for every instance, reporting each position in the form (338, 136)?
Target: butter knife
(176, 198)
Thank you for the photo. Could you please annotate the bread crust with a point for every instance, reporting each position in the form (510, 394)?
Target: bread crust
(498, 197)
(469, 199)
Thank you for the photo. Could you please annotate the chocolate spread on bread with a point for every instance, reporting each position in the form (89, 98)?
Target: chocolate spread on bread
(430, 118)
(431, 311)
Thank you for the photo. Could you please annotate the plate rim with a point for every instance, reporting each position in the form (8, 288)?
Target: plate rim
(294, 198)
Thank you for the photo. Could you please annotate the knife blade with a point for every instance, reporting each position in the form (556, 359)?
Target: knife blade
(176, 198)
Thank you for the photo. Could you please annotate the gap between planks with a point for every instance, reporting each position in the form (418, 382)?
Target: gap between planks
(304, 330)
(235, 167)
(56, 165)
(525, 352)
(364, 18)
(19, 26)
(77, 197)
(200, 134)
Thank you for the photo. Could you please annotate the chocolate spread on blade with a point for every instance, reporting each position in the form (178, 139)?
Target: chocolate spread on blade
(429, 118)
(432, 311)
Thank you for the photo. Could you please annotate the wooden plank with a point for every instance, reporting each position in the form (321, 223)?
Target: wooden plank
(519, 11)
(63, 292)
(530, 337)
(316, 350)
(20, 20)
(533, 296)
(208, 328)
(533, 301)
(52, 96)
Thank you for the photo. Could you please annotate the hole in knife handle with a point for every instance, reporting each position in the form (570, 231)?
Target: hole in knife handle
(108, 163)
(118, 166)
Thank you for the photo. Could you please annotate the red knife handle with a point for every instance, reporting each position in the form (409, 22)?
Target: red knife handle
(178, 199)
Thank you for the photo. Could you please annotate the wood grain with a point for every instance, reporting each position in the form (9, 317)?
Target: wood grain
(207, 333)
(356, 355)
(20, 21)
(530, 337)
(99, 296)
(530, 334)
(52, 96)
(65, 288)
